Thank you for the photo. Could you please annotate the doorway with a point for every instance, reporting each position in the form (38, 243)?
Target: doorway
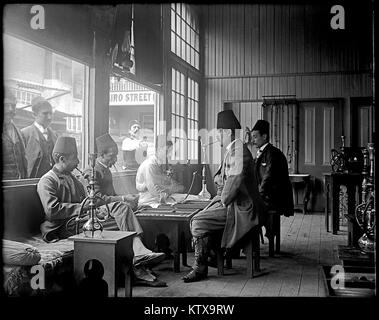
(320, 130)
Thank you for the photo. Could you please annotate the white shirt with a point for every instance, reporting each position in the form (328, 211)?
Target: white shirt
(130, 144)
(260, 150)
(42, 130)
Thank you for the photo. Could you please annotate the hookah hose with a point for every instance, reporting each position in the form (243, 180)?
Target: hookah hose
(190, 188)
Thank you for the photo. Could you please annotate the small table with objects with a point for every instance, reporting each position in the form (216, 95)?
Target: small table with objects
(114, 250)
(176, 218)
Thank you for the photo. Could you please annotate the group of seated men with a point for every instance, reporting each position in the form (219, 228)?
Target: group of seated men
(244, 194)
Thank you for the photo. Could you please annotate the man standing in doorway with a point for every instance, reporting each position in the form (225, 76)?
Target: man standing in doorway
(132, 146)
(39, 139)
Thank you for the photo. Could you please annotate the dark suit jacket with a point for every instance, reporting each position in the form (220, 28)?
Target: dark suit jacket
(273, 180)
(38, 150)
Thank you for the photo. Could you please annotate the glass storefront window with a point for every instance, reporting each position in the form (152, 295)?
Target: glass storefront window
(130, 104)
(60, 80)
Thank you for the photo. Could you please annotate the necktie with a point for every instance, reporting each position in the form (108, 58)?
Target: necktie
(44, 132)
(259, 152)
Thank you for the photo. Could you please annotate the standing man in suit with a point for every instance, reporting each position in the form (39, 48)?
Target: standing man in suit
(39, 139)
(14, 161)
(272, 172)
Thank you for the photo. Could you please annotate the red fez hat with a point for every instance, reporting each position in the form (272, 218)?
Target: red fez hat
(227, 120)
(65, 145)
(105, 142)
(262, 126)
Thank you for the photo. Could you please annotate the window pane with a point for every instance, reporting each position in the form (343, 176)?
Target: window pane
(173, 42)
(177, 81)
(178, 25)
(182, 84)
(173, 78)
(188, 33)
(41, 72)
(123, 110)
(173, 20)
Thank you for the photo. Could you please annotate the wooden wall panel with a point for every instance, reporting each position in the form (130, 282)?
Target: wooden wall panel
(309, 139)
(328, 134)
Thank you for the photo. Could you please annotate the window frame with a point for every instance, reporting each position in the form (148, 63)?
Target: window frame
(186, 45)
(188, 73)
(87, 93)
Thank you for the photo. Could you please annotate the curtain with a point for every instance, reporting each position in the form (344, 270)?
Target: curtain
(283, 118)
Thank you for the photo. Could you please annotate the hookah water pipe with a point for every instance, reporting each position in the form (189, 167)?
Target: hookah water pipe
(365, 214)
(93, 227)
(204, 193)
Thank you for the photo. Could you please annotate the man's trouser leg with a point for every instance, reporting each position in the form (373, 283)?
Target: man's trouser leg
(203, 224)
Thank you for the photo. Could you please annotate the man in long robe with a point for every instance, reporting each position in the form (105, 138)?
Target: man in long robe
(61, 194)
(237, 207)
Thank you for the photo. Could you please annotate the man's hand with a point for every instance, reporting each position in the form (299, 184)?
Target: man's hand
(159, 189)
(131, 200)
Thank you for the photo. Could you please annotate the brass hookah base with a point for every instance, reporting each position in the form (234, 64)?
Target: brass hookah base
(367, 243)
(92, 228)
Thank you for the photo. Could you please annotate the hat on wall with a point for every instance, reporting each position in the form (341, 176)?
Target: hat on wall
(65, 145)
(262, 126)
(133, 122)
(39, 102)
(227, 120)
(105, 142)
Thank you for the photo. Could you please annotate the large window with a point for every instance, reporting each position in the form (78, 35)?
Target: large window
(184, 116)
(130, 103)
(185, 33)
(60, 80)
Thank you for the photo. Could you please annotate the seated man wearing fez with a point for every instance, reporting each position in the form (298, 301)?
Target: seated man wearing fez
(154, 183)
(271, 171)
(107, 156)
(39, 139)
(61, 195)
(236, 208)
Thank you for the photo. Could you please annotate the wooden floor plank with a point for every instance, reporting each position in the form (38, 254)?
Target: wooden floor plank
(296, 271)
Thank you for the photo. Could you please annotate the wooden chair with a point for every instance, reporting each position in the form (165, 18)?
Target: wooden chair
(252, 251)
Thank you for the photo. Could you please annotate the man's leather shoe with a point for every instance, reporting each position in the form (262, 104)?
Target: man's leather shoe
(194, 276)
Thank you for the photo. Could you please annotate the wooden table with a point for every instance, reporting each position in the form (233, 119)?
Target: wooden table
(301, 179)
(114, 250)
(177, 219)
(332, 183)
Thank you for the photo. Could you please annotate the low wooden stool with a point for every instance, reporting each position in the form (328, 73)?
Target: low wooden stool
(114, 250)
(252, 251)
